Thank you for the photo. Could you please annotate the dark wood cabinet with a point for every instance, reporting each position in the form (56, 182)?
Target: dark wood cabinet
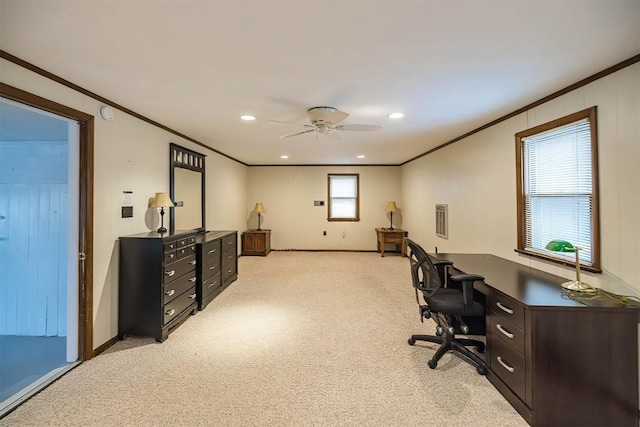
(157, 283)
(217, 261)
(256, 242)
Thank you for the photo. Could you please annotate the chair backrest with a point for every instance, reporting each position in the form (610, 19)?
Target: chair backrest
(424, 273)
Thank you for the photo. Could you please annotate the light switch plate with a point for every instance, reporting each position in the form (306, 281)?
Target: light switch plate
(127, 212)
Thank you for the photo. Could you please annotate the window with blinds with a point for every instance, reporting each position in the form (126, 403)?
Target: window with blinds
(344, 202)
(557, 188)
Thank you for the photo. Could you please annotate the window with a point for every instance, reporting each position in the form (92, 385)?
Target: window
(557, 172)
(344, 198)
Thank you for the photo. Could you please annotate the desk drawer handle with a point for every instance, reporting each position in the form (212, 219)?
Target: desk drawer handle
(171, 292)
(503, 308)
(170, 312)
(212, 251)
(504, 365)
(170, 273)
(193, 279)
(192, 262)
(504, 331)
(192, 296)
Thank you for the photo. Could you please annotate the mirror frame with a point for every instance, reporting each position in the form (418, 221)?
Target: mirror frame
(180, 157)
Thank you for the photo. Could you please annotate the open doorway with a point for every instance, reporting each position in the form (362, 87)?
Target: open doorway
(44, 306)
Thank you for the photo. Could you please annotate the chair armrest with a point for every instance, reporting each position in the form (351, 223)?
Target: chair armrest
(467, 285)
(438, 262)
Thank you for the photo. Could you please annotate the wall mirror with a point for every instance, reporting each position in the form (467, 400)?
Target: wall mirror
(186, 176)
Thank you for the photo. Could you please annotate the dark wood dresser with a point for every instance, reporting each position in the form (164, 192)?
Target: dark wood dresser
(256, 242)
(157, 283)
(217, 264)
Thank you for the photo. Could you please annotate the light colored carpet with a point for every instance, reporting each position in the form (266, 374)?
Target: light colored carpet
(301, 339)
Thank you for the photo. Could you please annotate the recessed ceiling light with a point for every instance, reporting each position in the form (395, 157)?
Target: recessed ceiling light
(284, 157)
(248, 117)
(361, 156)
(395, 115)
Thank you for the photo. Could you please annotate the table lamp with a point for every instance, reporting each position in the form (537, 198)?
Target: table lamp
(391, 208)
(573, 285)
(259, 209)
(162, 200)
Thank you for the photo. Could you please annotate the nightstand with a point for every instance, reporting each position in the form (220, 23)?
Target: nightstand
(256, 242)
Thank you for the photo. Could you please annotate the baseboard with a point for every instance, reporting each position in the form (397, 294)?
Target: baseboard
(324, 250)
(105, 346)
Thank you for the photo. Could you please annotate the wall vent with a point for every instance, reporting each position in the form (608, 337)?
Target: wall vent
(442, 226)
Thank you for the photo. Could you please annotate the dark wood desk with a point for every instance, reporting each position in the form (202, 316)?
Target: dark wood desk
(556, 360)
(391, 235)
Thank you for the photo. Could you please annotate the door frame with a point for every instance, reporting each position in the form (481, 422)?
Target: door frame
(85, 220)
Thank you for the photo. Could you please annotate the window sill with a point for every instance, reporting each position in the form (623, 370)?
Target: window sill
(590, 268)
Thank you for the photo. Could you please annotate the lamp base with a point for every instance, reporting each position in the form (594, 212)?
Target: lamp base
(161, 230)
(577, 286)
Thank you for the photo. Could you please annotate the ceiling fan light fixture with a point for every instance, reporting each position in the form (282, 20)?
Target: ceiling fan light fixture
(395, 115)
(248, 117)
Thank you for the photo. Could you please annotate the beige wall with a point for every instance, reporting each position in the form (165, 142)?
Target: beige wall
(476, 178)
(288, 194)
(132, 155)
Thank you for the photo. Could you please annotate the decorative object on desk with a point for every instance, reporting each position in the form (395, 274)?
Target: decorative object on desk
(162, 200)
(259, 209)
(573, 285)
(391, 208)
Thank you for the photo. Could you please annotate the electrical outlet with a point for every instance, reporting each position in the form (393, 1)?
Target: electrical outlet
(324, 233)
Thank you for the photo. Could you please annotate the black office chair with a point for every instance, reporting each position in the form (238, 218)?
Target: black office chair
(446, 305)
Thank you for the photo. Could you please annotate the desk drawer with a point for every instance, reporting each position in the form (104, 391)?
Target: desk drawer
(509, 365)
(508, 308)
(507, 331)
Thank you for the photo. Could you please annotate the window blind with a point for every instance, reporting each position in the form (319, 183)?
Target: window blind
(343, 191)
(558, 188)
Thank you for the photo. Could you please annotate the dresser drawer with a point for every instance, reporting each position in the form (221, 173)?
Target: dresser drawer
(507, 308)
(175, 288)
(509, 365)
(169, 257)
(229, 242)
(178, 305)
(186, 251)
(170, 246)
(507, 331)
(210, 284)
(211, 250)
(176, 269)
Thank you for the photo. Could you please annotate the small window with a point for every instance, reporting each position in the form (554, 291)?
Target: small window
(344, 198)
(558, 188)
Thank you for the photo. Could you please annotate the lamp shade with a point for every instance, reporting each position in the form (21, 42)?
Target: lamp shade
(259, 208)
(391, 207)
(560, 246)
(162, 200)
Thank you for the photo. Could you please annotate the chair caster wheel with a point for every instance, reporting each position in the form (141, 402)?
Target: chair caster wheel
(432, 363)
(411, 341)
(480, 348)
(481, 370)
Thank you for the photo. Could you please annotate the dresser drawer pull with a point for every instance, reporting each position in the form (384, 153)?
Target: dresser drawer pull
(171, 292)
(212, 284)
(171, 246)
(229, 256)
(503, 308)
(212, 251)
(193, 279)
(212, 267)
(504, 331)
(171, 255)
(229, 271)
(192, 296)
(170, 312)
(229, 242)
(192, 262)
(504, 365)
(170, 273)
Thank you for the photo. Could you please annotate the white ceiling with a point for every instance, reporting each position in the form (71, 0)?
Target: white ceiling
(195, 66)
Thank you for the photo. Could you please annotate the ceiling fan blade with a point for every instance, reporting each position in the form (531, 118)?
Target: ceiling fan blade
(290, 123)
(358, 127)
(336, 116)
(332, 131)
(298, 133)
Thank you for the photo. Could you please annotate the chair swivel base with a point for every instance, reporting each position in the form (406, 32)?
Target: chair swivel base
(457, 345)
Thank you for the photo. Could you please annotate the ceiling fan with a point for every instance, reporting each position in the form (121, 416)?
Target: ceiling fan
(324, 120)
